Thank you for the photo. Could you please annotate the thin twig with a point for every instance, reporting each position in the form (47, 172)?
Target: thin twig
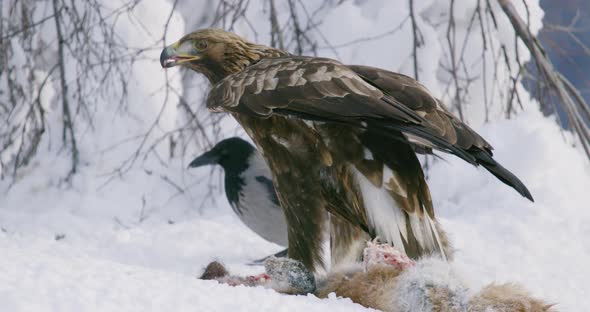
(68, 122)
(417, 41)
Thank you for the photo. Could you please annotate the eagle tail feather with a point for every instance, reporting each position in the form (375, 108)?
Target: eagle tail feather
(437, 238)
(426, 236)
(420, 230)
(472, 156)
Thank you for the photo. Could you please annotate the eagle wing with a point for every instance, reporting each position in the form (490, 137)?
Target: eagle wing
(368, 120)
(383, 102)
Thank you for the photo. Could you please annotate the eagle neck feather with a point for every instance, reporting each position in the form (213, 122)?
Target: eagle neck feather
(243, 54)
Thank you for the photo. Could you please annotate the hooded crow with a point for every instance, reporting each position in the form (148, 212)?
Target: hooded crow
(249, 188)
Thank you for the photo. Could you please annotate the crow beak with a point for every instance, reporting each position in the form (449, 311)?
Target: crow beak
(208, 158)
(177, 53)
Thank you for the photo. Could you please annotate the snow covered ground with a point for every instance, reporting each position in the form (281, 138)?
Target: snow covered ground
(64, 256)
(133, 244)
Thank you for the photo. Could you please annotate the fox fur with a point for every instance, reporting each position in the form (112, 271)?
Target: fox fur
(427, 285)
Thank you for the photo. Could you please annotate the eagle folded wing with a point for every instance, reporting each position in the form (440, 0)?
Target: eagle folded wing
(458, 138)
(321, 89)
(325, 90)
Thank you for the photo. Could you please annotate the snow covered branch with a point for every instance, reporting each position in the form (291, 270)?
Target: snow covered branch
(577, 109)
(68, 124)
(72, 56)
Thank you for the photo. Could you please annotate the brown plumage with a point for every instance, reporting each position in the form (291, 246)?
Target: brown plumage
(337, 138)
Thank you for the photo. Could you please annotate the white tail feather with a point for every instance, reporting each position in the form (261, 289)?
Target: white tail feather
(389, 220)
(437, 238)
(383, 213)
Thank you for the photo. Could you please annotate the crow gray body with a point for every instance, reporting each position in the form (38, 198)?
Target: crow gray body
(248, 187)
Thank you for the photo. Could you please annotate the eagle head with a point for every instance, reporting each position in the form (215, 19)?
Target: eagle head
(215, 53)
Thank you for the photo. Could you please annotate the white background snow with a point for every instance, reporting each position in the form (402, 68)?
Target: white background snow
(132, 244)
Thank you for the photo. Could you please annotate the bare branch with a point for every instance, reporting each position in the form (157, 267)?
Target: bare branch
(296, 27)
(576, 108)
(457, 103)
(68, 129)
(417, 41)
(276, 35)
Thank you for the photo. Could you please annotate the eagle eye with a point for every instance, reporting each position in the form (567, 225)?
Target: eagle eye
(201, 45)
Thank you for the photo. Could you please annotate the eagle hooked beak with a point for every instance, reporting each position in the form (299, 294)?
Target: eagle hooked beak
(178, 53)
(208, 158)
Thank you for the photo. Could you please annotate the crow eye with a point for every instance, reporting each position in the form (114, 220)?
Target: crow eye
(201, 45)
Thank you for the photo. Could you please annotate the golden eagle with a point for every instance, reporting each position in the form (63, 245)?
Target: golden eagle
(337, 138)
